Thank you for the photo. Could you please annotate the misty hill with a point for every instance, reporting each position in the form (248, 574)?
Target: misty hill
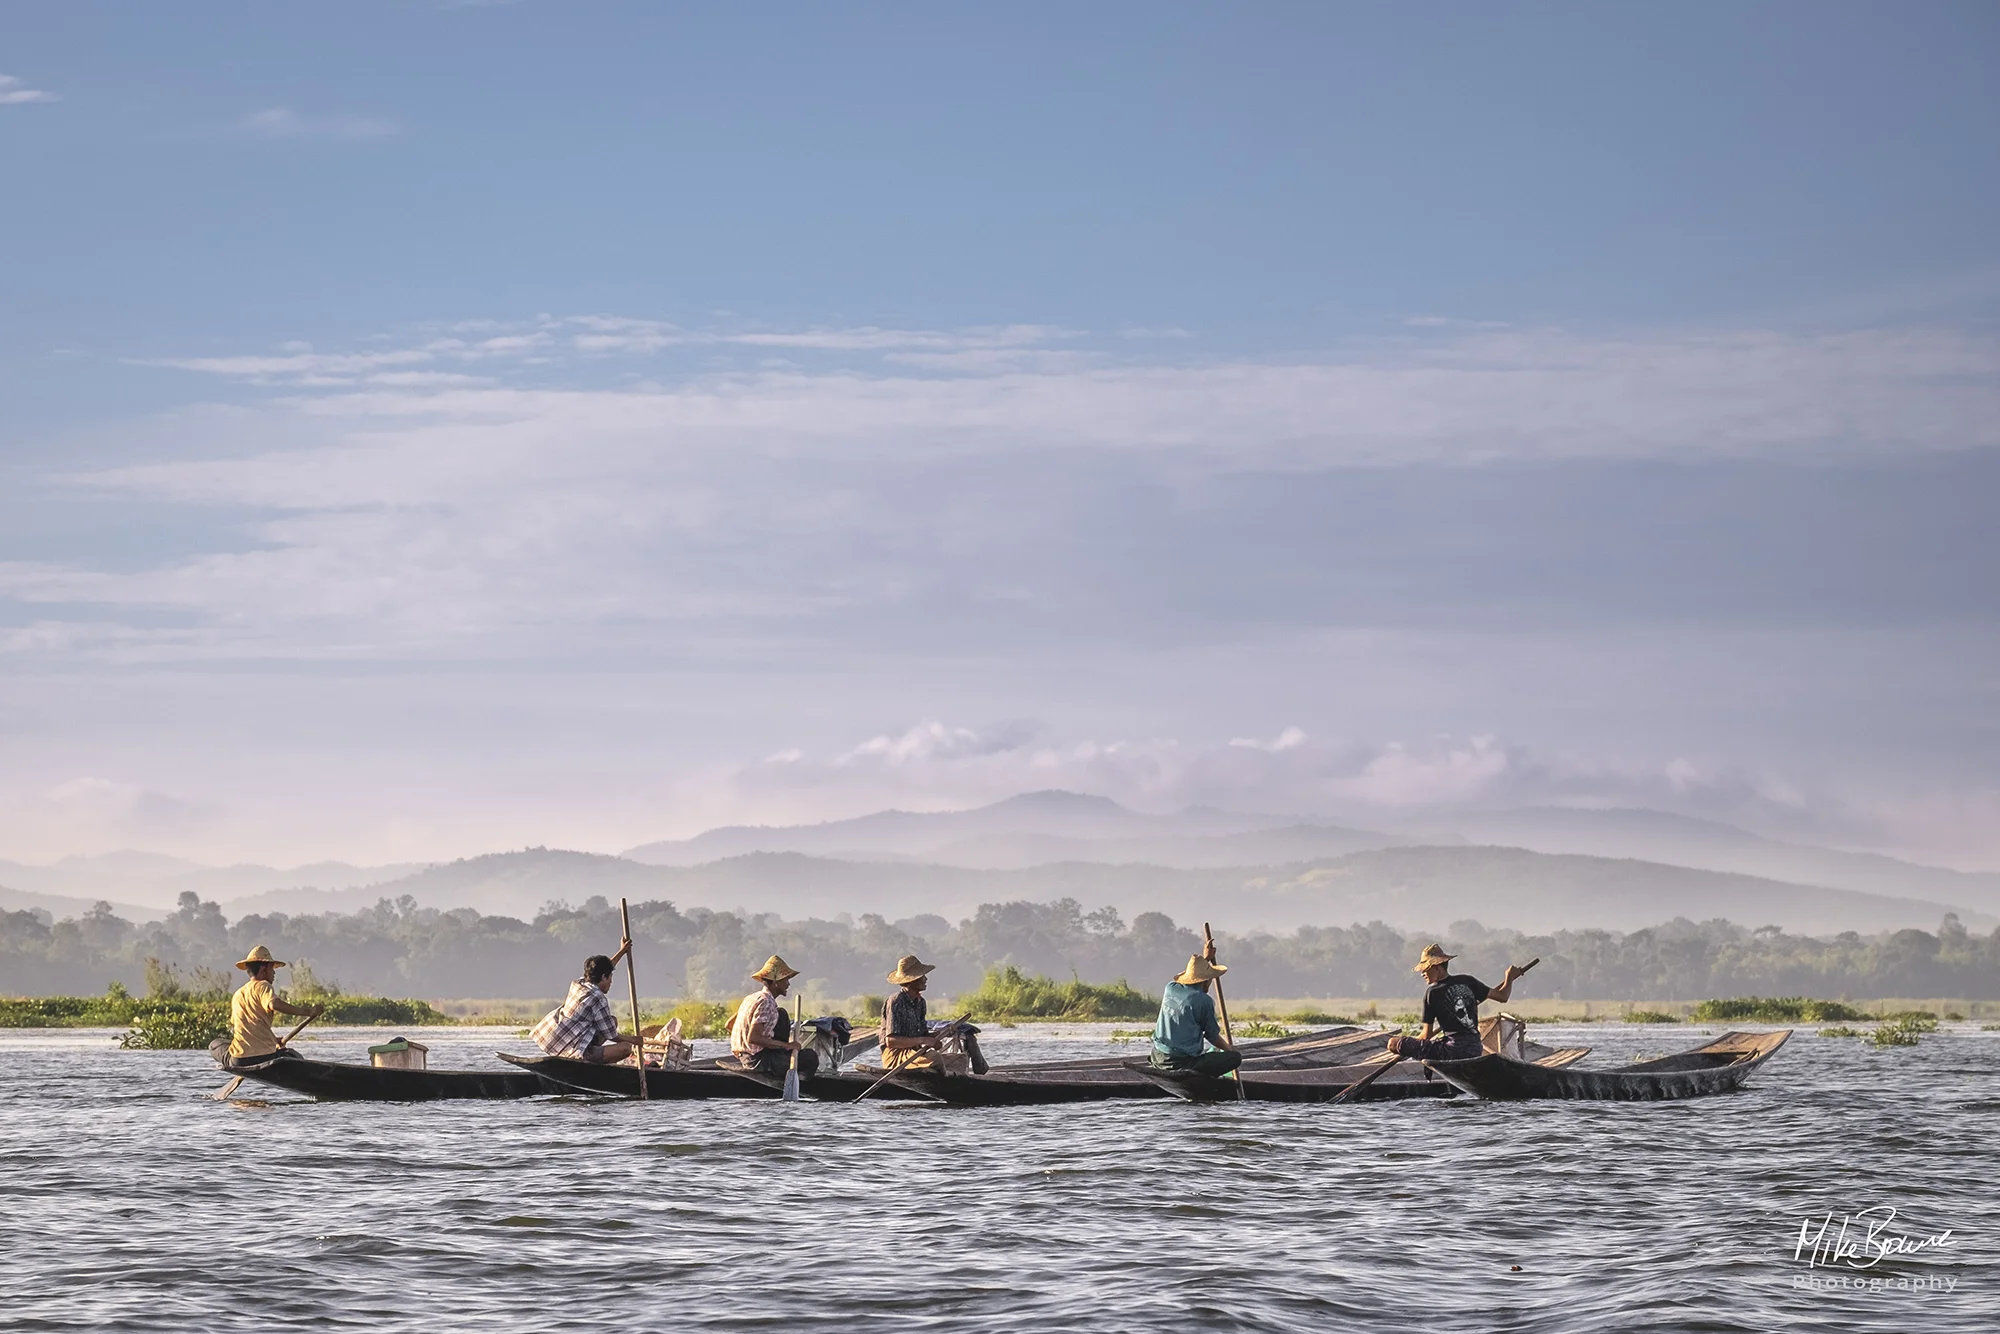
(1657, 836)
(157, 882)
(1415, 887)
(1037, 828)
(59, 906)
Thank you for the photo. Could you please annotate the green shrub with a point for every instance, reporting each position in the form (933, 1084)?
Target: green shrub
(178, 1026)
(1651, 1017)
(1261, 1028)
(1776, 1010)
(1842, 1031)
(1316, 1018)
(703, 1019)
(378, 1010)
(1008, 993)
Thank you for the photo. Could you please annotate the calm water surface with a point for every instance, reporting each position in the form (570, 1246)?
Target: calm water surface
(130, 1201)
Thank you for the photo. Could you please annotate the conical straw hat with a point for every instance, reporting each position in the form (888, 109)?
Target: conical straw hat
(1200, 970)
(909, 968)
(775, 970)
(262, 954)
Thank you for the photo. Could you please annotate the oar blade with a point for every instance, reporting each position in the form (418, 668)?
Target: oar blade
(222, 1094)
(791, 1086)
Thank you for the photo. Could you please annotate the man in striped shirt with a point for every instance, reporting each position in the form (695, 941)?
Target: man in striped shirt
(582, 1028)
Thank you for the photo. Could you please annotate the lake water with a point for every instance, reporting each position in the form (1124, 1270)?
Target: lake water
(128, 1200)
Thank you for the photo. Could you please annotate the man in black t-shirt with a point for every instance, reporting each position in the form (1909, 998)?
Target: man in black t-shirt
(1451, 1009)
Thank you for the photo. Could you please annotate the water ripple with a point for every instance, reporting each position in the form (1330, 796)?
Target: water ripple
(128, 1201)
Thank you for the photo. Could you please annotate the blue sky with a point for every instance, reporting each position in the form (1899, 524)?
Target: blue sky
(430, 428)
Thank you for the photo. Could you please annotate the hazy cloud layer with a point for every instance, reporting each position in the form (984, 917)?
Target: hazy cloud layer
(1732, 573)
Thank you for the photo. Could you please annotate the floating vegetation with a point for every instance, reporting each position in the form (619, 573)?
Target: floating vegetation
(115, 1009)
(1905, 1032)
(1262, 1028)
(1652, 1017)
(1843, 1031)
(178, 1026)
(1007, 992)
(1776, 1010)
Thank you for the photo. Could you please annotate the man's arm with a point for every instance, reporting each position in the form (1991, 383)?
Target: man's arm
(761, 1038)
(1505, 991)
(921, 1042)
(306, 1011)
(1212, 1030)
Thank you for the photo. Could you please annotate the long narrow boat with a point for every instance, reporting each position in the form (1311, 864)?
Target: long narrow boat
(342, 1082)
(1405, 1079)
(1305, 1067)
(1717, 1067)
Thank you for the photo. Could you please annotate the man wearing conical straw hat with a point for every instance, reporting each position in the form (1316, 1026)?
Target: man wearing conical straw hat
(908, 1042)
(761, 1033)
(254, 1005)
(1187, 1030)
(1451, 1009)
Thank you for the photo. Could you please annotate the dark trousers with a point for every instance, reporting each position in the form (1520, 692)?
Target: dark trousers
(252, 1062)
(1214, 1064)
(770, 1062)
(1443, 1047)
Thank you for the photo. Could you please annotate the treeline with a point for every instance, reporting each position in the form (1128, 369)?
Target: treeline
(401, 949)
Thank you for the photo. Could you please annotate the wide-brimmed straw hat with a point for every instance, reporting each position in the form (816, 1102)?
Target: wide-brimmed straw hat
(261, 954)
(1432, 956)
(775, 970)
(1200, 970)
(909, 968)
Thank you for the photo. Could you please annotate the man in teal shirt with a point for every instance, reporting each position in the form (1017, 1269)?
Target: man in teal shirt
(1187, 1021)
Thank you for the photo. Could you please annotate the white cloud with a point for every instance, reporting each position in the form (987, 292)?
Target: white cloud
(1289, 739)
(15, 93)
(283, 123)
(1448, 775)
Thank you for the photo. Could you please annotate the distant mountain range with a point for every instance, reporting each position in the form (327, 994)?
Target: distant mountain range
(149, 884)
(1529, 869)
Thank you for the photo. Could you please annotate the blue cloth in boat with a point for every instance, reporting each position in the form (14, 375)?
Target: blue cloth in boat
(1187, 1019)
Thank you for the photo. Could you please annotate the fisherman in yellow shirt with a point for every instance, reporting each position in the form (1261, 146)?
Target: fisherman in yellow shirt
(252, 1008)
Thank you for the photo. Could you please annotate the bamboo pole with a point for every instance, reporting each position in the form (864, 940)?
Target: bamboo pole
(1221, 1005)
(632, 980)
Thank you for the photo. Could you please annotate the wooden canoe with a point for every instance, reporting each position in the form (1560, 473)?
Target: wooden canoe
(336, 1081)
(1717, 1067)
(1092, 1079)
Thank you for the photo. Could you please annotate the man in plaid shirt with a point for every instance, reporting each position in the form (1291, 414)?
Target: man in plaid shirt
(582, 1028)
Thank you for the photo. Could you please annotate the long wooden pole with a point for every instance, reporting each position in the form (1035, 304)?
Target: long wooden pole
(1221, 1005)
(632, 980)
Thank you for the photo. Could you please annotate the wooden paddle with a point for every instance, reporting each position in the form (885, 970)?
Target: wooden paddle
(1367, 1079)
(632, 980)
(1389, 1065)
(222, 1094)
(1221, 1005)
(887, 1075)
(791, 1093)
